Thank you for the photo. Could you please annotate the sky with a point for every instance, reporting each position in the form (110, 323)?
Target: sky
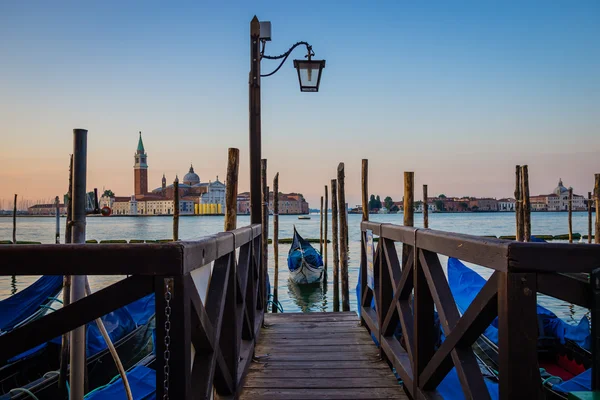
(458, 92)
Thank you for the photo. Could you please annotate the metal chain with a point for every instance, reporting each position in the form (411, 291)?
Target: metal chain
(167, 353)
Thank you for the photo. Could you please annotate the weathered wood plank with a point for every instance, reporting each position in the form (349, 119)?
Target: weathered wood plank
(336, 393)
(320, 383)
(321, 373)
(306, 356)
(292, 365)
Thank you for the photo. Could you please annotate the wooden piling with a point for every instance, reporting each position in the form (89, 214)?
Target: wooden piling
(57, 216)
(343, 222)
(518, 204)
(14, 235)
(176, 209)
(265, 229)
(570, 205)
(321, 228)
(365, 189)
(275, 240)
(425, 208)
(409, 198)
(325, 235)
(589, 210)
(335, 246)
(231, 189)
(69, 204)
(64, 351)
(526, 208)
(597, 201)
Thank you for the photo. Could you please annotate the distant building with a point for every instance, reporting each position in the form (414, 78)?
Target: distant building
(506, 204)
(47, 209)
(194, 196)
(558, 200)
(485, 204)
(291, 203)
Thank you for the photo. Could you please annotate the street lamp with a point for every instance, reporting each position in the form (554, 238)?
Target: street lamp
(309, 78)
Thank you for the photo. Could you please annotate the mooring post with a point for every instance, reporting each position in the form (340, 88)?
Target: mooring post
(321, 228)
(78, 356)
(425, 208)
(231, 189)
(265, 232)
(570, 206)
(409, 198)
(64, 351)
(325, 235)
(335, 246)
(96, 206)
(176, 209)
(597, 200)
(364, 192)
(518, 204)
(526, 208)
(57, 211)
(275, 241)
(343, 221)
(14, 235)
(364, 185)
(589, 210)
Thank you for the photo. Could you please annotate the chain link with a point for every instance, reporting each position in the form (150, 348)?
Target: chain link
(167, 353)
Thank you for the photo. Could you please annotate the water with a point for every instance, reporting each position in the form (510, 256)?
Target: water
(293, 297)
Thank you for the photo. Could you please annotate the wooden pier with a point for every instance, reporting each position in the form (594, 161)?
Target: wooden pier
(318, 356)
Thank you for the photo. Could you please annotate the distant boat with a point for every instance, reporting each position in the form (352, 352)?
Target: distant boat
(305, 263)
(303, 217)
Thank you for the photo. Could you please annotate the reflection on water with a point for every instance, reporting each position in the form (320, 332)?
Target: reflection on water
(309, 298)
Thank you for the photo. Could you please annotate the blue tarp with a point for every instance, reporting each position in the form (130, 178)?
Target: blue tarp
(300, 250)
(24, 303)
(465, 284)
(118, 324)
(142, 381)
(579, 383)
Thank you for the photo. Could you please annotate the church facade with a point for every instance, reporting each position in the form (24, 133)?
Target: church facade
(558, 200)
(195, 197)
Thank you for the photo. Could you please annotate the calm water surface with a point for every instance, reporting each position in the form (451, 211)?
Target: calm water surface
(292, 296)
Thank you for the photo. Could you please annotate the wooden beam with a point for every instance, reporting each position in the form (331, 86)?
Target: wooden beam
(553, 257)
(334, 244)
(572, 289)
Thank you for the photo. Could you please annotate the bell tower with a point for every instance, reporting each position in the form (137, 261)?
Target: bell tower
(140, 170)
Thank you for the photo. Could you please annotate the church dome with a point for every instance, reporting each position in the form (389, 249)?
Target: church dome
(191, 178)
(560, 188)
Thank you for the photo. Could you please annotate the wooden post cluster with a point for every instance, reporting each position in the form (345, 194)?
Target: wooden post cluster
(425, 208)
(335, 246)
(589, 209)
(325, 235)
(597, 200)
(321, 228)
(265, 230)
(14, 233)
(176, 209)
(365, 189)
(343, 221)
(275, 241)
(570, 215)
(518, 204)
(231, 189)
(522, 205)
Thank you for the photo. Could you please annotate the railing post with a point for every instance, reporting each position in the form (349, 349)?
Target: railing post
(595, 280)
(518, 334)
(424, 329)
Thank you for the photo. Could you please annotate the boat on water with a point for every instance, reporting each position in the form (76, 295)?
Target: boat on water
(303, 217)
(36, 370)
(30, 303)
(305, 263)
(563, 349)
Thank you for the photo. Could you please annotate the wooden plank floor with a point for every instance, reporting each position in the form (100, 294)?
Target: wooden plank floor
(318, 356)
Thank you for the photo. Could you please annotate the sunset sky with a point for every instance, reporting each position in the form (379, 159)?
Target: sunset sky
(458, 92)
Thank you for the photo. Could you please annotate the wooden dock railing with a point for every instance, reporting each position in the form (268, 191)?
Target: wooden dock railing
(410, 287)
(208, 303)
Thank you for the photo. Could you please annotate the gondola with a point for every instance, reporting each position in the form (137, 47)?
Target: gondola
(142, 382)
(563, 350)
(305, 263)
(30, 303)
(130, 329)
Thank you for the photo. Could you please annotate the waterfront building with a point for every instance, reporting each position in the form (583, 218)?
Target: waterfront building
(558, 200)
(46, 209)
(506, 204)
(290, 203)
(484, 204)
